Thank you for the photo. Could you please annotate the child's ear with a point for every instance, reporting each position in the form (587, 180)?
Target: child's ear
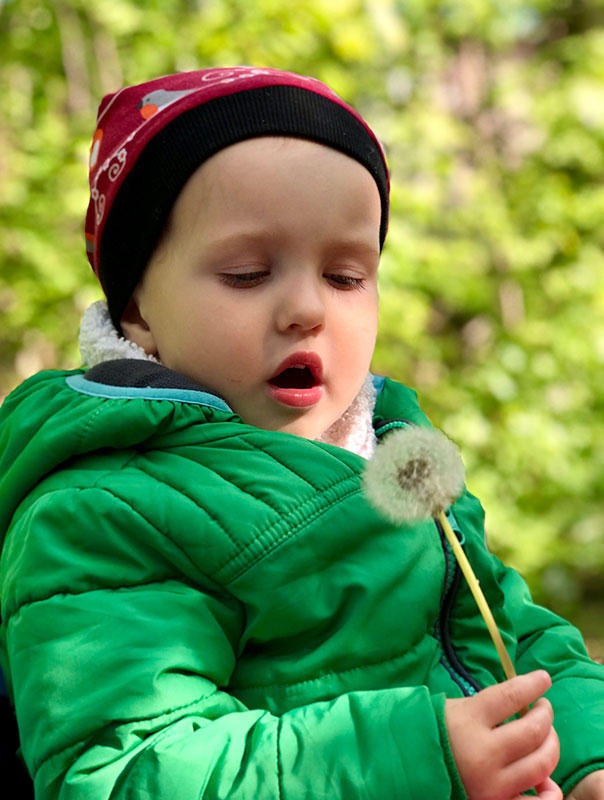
(136, 328)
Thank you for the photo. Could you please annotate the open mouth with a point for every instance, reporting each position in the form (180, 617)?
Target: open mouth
(298, 381)
(299, 377)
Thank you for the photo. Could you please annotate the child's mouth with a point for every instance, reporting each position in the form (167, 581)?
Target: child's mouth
(294, 378)
(297, 381)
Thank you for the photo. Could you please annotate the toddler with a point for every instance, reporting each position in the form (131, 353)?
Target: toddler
(197, 599)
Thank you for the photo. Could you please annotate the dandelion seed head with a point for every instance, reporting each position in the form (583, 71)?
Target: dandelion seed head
(414, 474)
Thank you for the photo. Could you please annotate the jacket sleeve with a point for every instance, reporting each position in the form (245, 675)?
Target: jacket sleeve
(537, 638)
(120, 652)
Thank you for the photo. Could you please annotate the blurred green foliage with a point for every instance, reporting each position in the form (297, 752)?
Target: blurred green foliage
(492, 282)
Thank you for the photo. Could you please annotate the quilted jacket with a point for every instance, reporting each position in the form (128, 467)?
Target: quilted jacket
(193, 607)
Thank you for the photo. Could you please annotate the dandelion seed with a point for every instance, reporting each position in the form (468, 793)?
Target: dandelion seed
(414, 474)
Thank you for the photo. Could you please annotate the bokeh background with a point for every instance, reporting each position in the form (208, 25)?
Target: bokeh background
(492, 280)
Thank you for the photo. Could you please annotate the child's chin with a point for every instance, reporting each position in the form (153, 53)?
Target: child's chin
(308, 425)
(311, 425)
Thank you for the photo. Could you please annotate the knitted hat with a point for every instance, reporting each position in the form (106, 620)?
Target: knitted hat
(150, 138)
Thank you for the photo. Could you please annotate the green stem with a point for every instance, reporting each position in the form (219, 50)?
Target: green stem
(481, 601)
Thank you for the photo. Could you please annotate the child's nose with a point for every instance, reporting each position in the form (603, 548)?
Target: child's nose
(301, 306)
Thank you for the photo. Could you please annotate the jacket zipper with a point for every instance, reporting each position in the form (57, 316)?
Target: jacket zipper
(448, 659)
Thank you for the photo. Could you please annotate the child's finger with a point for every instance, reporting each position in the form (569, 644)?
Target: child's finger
(508, 698)
(548, 790)
(521, 737)
(503, 700)
(534, 769)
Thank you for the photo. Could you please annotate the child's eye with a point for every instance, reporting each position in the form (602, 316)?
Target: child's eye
(346, 282)
(243, 280)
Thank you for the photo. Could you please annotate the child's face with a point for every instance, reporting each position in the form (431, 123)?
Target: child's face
(270, 261)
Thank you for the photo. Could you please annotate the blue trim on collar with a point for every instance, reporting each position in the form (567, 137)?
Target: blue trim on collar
(80, 384)
(378, 382)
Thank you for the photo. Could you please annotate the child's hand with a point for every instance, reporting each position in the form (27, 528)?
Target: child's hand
(590, 788)
(498, 762)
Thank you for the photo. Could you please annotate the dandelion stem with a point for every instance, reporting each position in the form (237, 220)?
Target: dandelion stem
(481, 601)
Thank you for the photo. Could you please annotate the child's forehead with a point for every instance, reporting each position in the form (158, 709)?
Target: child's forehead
(287, 196)
(260, 152)
(248, 170)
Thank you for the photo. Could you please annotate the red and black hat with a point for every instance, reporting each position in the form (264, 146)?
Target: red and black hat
(151, 137)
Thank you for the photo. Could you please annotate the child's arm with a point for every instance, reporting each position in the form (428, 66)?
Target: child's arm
(122, 653)
(498, 760)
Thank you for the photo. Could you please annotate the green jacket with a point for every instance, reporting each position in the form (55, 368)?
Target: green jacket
(194, 607)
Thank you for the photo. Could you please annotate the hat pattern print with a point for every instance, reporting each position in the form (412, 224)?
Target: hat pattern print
(157, 100)
(122, 132)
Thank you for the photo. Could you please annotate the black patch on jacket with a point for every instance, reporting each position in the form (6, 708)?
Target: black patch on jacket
(142, 374)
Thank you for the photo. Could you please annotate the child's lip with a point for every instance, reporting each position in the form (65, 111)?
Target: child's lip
(298, 397)
(304, 358)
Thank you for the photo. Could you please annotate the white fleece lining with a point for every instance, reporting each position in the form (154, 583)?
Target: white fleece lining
(99, 340)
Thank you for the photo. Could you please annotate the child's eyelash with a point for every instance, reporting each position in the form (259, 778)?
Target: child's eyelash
(346, 282)
(247, 280)
(244, 280)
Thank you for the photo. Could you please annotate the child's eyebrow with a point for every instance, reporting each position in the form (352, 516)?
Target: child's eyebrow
(251, 238)
(355, 246)
(237, 239)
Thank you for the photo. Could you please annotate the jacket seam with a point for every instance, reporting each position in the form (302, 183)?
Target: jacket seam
(88, 424)
(170, 538)
(162, 533)
(253, 447)
(331, 673)
(240, 551)
(122, 587)
(279, 759)
(203, 509)
(286, 535)
(245, 440)
(116, 723)
(181, 491)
